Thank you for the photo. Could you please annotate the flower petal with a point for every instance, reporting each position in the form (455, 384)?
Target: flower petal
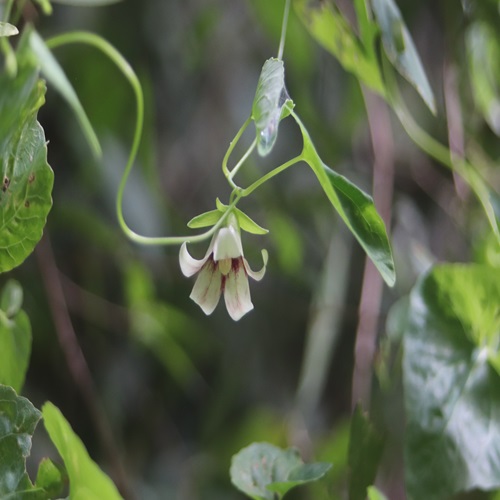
(257, 275)
(227, 244)
(237, 292)
(189, 265)
(207, 288)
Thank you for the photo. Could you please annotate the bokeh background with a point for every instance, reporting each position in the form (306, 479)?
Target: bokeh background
(179, 393)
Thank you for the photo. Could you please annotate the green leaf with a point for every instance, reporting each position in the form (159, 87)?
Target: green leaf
(18, 419)
(401, 50)
(271, 104)
(331, 30)
(206, 219)
(7, 29)
(356, 209)
(451, 382)
(27, 179)
(51, 478)
(57, 78)
(365, 451)
(262, 468)
(15, 337)
(375, 494)
(483, 54)
(86, 479)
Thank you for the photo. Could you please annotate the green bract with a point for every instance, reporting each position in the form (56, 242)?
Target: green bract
(27, 179)
(211, 218)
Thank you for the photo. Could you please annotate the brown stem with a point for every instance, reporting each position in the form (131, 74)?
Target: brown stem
(77, 363)
(372, 288)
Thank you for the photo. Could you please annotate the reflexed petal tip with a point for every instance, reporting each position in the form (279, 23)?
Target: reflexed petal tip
(257, 275)
(189, 266)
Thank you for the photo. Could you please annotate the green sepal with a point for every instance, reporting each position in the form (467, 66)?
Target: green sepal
(244, 221)
(206, 219)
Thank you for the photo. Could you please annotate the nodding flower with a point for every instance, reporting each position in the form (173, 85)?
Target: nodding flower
(224, 269)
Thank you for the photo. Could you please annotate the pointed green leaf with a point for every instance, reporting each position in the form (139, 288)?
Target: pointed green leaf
(220, 206)
(400, 49)
(15, 337)
(18, 419)
(452, 382)
(356, 209)
(57, 78)
(333, 32)
(262, 468)
(206, 219)
(27, 179)
(86, 479)
(7, 29)
(365, 452)
(270, 105)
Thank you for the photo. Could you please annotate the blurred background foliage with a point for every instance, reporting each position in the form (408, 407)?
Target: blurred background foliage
(183, 392)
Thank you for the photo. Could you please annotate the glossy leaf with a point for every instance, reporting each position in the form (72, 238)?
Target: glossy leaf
(55, 75)
(400, 49)
(262, 469)
(356, 209)
(86, 479)
(15, 338)
(452, 382)
(271, 104)
(27, 179)
(365, 452)
(332, 31)
(18, 419)
(7, 29)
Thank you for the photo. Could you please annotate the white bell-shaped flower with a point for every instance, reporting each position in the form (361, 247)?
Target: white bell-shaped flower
(224, 269)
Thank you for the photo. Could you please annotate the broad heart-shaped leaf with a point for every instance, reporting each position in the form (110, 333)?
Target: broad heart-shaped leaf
(7, 29)
(262, 469)
(86, 479)
(27, 179)
(15, 338)
(271, 104)
(451, 382)
(18, 419)
(355, 207)
(365, 452)
(331, 30)
(401, 50)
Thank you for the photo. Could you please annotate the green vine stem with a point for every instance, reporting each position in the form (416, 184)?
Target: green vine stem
(284, 29)
(83, 37)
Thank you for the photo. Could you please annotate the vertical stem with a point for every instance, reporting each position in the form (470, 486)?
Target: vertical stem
(77, 364)
(283, 29)
(372, 287)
